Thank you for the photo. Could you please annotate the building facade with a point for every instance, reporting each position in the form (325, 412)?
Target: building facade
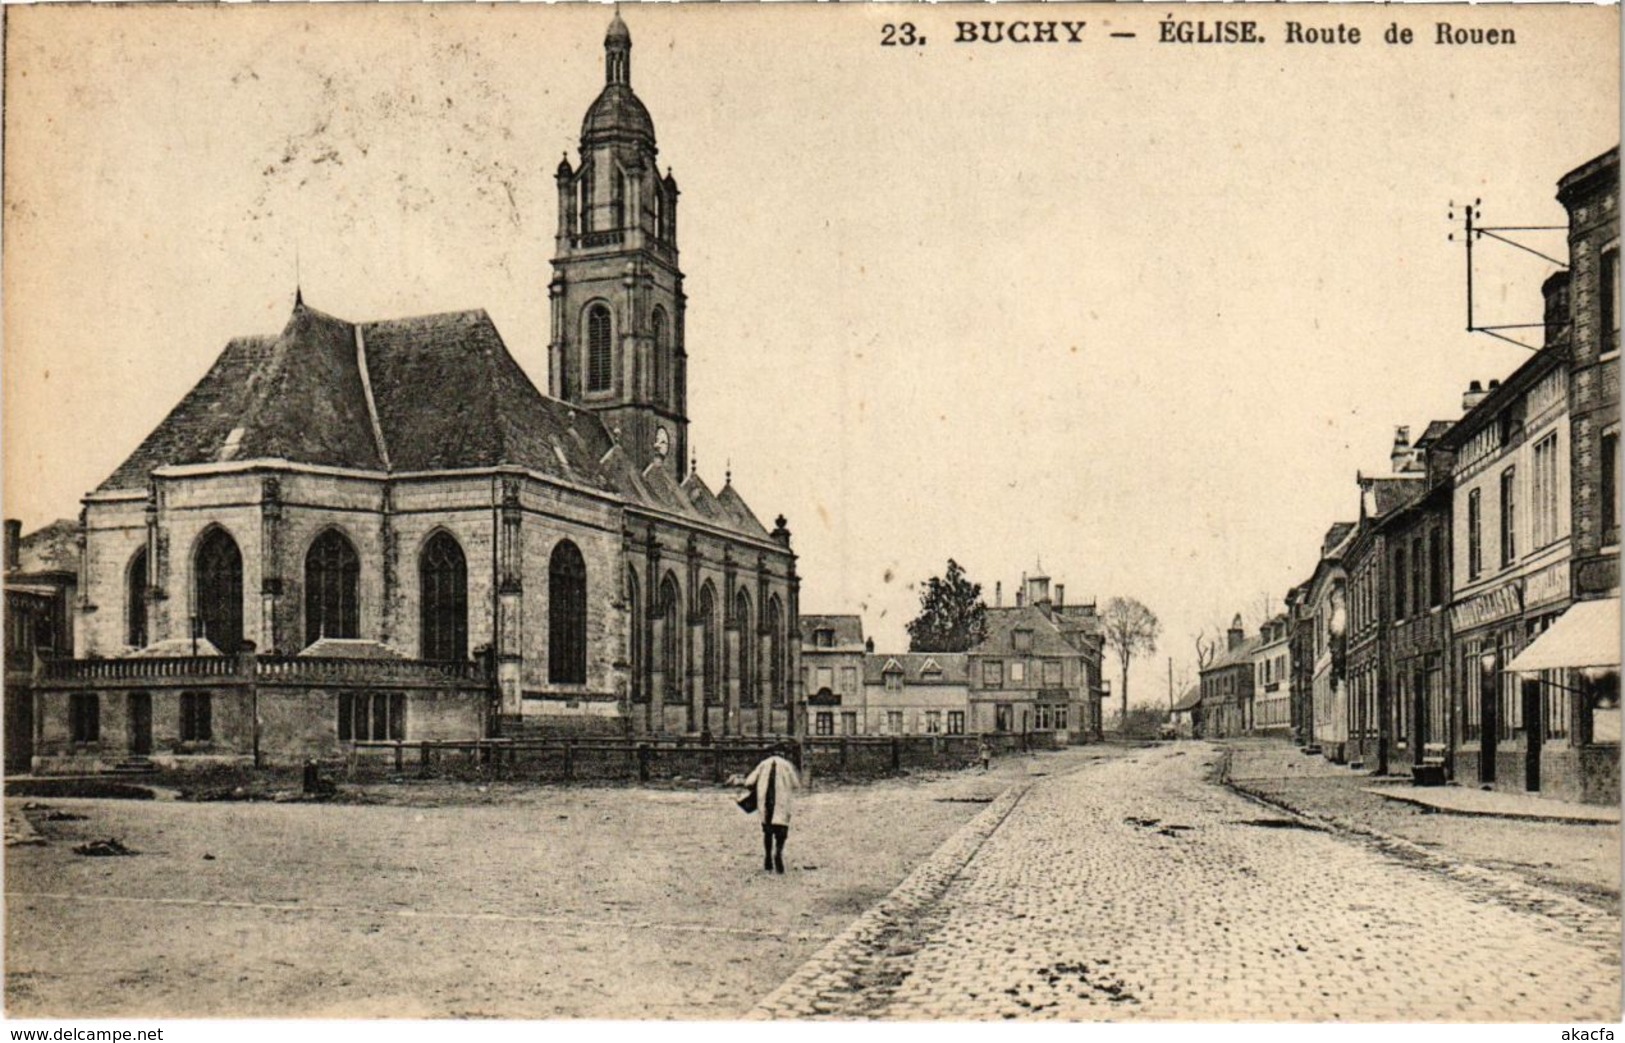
(1272, 679)
(832, 674)
(41, 577)
(1511, 564)
(917, 693)
(1227, 686)
(1039, 667)
(352, 532)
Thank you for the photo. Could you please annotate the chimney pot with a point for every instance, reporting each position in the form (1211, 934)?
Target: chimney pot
(1060, 595)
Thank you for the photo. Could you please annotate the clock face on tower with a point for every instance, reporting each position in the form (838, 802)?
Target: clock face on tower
(662, 441)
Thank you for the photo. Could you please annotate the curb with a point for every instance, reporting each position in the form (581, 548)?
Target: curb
(1595, 926)
(1520, 816)
(819, 986)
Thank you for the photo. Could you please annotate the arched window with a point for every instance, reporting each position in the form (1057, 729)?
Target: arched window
(775, 626)
(584, 206)
(443, 599)
(332, 588)
(567, 616)
(135, 601)
(599, 358)
(658, 198)
(217, 572)
(662, 388)
(709, 661)
(747, 651)
(635, 617)
(671, 647)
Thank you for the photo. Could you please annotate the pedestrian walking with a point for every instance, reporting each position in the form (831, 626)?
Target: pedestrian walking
(774, 782)
(985, 752)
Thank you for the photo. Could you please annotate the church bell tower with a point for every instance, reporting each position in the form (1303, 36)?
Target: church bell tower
(617, 293)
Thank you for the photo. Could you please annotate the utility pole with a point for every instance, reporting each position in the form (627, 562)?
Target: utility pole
(1170, 684)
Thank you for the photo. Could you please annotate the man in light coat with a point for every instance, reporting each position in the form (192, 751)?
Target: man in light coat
(775, 781)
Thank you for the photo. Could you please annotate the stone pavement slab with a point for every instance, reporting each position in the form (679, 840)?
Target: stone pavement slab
(1137, 889)
(1458, 800)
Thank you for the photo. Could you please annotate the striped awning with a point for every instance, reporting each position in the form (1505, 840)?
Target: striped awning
(1586, 635)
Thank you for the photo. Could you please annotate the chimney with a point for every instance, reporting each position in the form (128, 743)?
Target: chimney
(998, 594)
(1472, 396)
(1018, 599)
(1237, 634)
(1556, 291)
(1060, 595)
(14, 542)
(869, 645)
(1400, 457)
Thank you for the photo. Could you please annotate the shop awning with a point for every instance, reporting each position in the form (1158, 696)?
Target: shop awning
(1586, 635)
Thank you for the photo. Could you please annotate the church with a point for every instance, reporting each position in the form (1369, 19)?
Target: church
(374, 531)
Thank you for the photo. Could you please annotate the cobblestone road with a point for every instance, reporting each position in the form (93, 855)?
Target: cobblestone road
(1136, 888)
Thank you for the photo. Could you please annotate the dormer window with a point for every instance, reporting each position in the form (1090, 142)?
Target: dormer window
(1023, 640)
(824, 638)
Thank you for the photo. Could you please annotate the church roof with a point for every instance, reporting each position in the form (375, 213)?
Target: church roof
(428, 393)
(617, 111)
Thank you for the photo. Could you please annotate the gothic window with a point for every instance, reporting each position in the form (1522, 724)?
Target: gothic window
(662, 366)
(599, 359)
(567, 616)
(747, 651)
(135, 595)
(218, 576)
(670, 640)
(332, 588)
(709, 662)
(659, 200)
(636, 622)
(775, 626)
(443, 599)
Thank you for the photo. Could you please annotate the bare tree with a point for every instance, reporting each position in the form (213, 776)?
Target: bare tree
(1131, 630)
(1206, 649)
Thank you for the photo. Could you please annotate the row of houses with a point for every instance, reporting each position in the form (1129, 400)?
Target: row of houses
(1466, 621)
(1036, 672)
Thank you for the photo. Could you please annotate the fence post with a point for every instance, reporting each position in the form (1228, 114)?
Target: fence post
(400, 757)
(896, 753)
(716, 763)
(844, 754)
(423, 761)
(569, 759)
(643, 762)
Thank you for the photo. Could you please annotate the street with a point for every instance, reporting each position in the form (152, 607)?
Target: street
(1135, 888)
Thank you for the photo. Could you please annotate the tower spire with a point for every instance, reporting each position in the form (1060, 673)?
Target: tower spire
(618, 52)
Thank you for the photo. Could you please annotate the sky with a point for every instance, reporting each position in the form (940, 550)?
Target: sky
(1138, 312)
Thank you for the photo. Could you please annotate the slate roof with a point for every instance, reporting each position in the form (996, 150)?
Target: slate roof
(955, 667)
(1049, 639)
(50, 548)
(445, 394)
(848, 629)
(1242, 654)
(1190, 700)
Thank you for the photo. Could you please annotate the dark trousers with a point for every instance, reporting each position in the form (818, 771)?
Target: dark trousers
(773, 838)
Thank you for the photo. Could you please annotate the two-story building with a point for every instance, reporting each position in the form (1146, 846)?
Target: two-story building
(1227, 685)
(1571, 666)
(1510, 549)
(832, 654)
(1039, 667)
(1272, 678)
(917, 693)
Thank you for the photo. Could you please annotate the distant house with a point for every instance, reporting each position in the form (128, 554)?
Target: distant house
(1227, 686)
(1038, 669)
(1185, 715)
(1272, 679)
(832, 664)
(41, 578)
(917, 693)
